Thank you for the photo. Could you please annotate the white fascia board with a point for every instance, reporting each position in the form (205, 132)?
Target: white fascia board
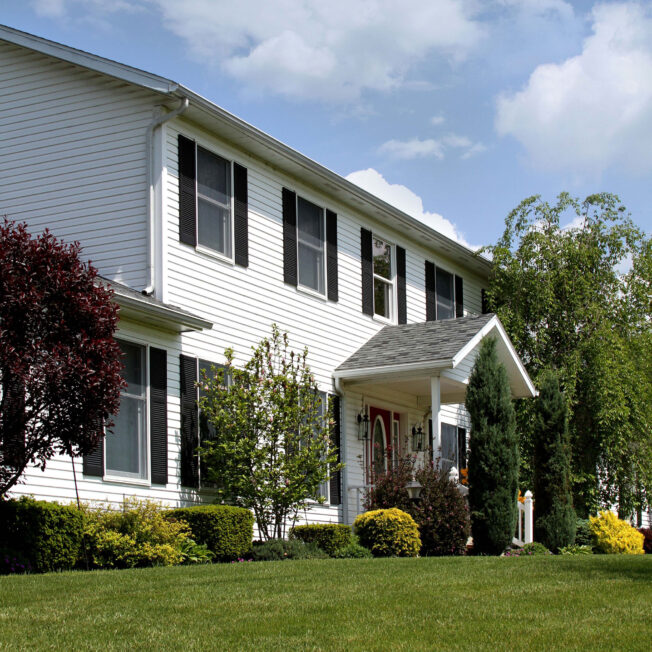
(409, 369)
(165, 317)
(88, 60)
(494, 322)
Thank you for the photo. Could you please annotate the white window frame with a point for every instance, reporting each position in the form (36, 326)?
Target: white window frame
(128, 479)
(205, 249)
(391, 282)
(300, 286)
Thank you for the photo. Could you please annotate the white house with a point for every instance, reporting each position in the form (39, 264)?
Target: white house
(209, 231)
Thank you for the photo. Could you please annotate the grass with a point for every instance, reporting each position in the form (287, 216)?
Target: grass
(537, 603)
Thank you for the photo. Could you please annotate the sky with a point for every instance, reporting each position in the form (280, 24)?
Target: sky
(452, 110)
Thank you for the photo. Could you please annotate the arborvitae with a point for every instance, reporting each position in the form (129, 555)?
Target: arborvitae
(555, 520)
(494, 460)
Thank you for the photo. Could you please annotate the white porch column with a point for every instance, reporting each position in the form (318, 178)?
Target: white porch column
(435, 402)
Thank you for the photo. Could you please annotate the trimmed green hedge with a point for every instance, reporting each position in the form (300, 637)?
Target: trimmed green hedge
(226, 531)
(329, 537)
(48, 536)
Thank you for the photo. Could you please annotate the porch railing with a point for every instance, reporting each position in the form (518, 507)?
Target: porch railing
(525, 526)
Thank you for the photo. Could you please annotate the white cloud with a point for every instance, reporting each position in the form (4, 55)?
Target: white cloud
(404, 199)
(437, 120)
(49, 8)
(430, 147)
(540, 7)
(594, 110)
(330, 51)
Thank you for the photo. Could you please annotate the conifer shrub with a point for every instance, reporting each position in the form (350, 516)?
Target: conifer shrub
(614, 536)
(329, 537)
(583, 534)
(493, 460)
(284, 549)
(555, 521)
(227, 531)
(388, 533)
(40, 536)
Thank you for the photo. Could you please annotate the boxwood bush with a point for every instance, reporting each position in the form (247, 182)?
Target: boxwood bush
(330, 537)
(283, 549)
(44, 536)
(388, 533)
(227, 531)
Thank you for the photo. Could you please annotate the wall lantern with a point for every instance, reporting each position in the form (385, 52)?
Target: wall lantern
(363, 425)
(413, 489)
(417, 438)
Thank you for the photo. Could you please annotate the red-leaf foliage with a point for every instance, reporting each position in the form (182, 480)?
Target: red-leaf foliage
(60, 368)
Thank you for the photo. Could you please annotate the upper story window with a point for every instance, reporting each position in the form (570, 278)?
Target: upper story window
(310, 246)
(126, 442)
(384, 279)
(214, 220)
(444, 293)
(213, 203)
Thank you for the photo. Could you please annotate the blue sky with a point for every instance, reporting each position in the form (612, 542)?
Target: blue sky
(454, 110)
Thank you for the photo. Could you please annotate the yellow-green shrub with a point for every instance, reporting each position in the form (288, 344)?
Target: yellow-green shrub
(614, 536)
(388, 533)
(139, 535)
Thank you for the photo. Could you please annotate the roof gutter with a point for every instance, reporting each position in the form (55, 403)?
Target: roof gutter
(151, 204)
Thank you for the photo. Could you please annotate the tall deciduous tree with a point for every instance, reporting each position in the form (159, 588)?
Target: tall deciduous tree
(558, 290)
(555, 519)
(493, 460)
(59, 364)
(270, 449)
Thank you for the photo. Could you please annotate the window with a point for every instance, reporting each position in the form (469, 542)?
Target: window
(383, 274)
(310, 246)
(453, 447)
(445, 294)
(213, 202)
(126, 442)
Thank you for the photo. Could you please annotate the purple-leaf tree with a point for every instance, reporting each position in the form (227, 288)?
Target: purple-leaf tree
(60, 368)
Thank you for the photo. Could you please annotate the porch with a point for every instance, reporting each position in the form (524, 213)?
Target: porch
(403, 393)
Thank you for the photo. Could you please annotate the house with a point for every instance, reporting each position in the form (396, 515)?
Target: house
(209, 231)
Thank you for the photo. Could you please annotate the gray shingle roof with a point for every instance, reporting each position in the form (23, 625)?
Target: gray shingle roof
(426, 342)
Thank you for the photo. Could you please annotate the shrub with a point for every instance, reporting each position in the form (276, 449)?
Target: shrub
(227, 531)
(353, 551)
(529, 549)
(282, 549)
(583, 534)
(195, 553)
(576, 550)
(390, 488)
(647, 539)
(441, 513)
(137, 536)
(614, 536)
(43, 536)
(388, 533)
(329, 537)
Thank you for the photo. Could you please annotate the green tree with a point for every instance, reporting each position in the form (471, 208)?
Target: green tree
(493, 460)
(555, 519)
(270, 449)
(558, 291)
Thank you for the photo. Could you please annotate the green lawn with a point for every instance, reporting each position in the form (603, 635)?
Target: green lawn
(537, 603)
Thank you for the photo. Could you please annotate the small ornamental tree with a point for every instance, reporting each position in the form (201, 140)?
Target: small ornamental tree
(60, 368)
(555, 520)
(493, 460)
(270, 449)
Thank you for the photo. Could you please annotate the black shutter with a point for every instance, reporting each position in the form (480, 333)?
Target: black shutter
(366, 256)
(241, 215)
(289, 237)
(336, 478)
(431, 442)
(94, 461)
(158, 414)
(461, 448)
(189, 422)
(431, 293)
(187, 191)
(485, 302)
(331, 255)
(459, 296)
(400, 286)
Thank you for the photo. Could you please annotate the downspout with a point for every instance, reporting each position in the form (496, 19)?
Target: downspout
(151, 231)
(337, 382)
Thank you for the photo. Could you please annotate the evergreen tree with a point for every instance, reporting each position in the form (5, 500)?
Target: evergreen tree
(555, 519)
(494, 460)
